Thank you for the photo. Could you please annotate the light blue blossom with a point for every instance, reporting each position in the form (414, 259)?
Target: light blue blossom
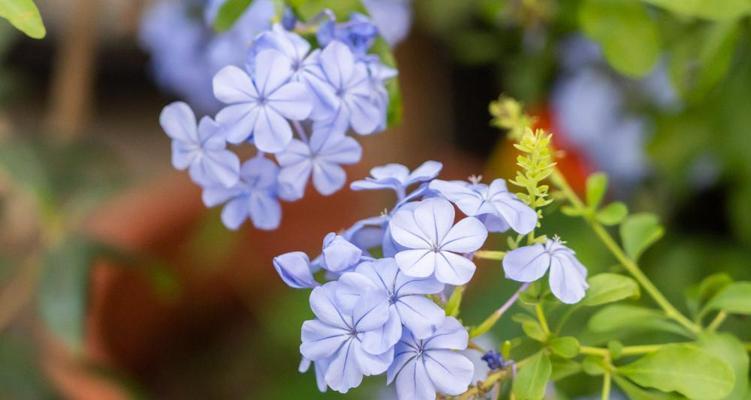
(494, 204)
(397, 177)
(358, 33)
(201, 149)
(405, 295)
(338, 336)
(321, 157)
(260, 106)
(347, 84)
(568, 277)
(294, 269)
(424, 367)
(392, 17)
(339, 255)
(253, 197)
(433, 244)
(367, 233)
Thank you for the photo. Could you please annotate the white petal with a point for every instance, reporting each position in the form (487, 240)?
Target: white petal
(233, 85)
(292, 101)
(453, 269)
(405, 231)
(450, 372)
(567, 282)
(419, 314)
(466, 236)
(526, 264)
(343, 372)
(179, 122)
(416, 263)
(413, 382)
(272, 132)
(434, 217)
(320, 340)
(272, 70)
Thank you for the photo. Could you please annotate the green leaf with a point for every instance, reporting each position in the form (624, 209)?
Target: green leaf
(701, 57)
(566, 347)
(635, 392)
(698, 295)
(683, 368)
(531, 327)
(63, 291)
(709, 9)
(563, 368)
(607, 288)
(454, 302)
(593, 365)
(638, 232)
(625, 30)
(623, 318)
(597, 185)
(24, 15)
(229, 13)
(613, 214)
(731, 350)
(307, 9)
(531, 380)
(734, 298)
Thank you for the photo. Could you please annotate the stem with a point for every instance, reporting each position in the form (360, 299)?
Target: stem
(541, 318)
(594, 351)
(629, 264)
(562, 322)
(606, 386)
(643, 349)
(491, 320)
(490, 255)
(717, 321)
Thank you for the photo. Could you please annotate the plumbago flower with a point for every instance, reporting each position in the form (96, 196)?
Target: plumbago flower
(295, 104)
(389, 273)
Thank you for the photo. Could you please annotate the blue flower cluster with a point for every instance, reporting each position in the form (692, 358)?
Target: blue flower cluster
(376, 313)
(294, 104)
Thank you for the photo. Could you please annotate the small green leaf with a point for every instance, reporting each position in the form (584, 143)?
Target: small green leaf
(709, 9)
(613, 214)
(683, 368)
(626, 31)
(734, 298)
(533, 329)
(593, 365)
(731, 350)
(229, 13)
(607, 288)
(635, 392)
(623, 318)
(24, 15)
(566, 347)
(563, 368)
(532, 379)
(638, 232)
(573, 211)
(597, 185)
(698, 295)
(308, 9)
(454, 302)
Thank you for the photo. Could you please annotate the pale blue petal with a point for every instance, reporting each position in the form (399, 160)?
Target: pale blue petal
(272, 70)
(526, 264)
(493, 223)
(380, 340)
(419, 314)
(328, 178)
(339, 254)
(453, 269)
(568, 278)
(265, 211)
(435, 218)
(405, 231)
(320, 340)
(238, 121)
(344, 372)
(294, 269)
(222, 166)
(407, 285)
(179, 122)
(292, 101)
(425, 172)
(217, 194)
(413, 382)
(338, 63)
(235, 212)
(517, 214)
(450, 335)
(183, 154)
(450, 372)
(272, 132)
(233, 85)
(364, 114)
(469, 201)
(416, 263)
(351, 286)
(374, 364)
(324, 305)
(466, 236)
(370, 312)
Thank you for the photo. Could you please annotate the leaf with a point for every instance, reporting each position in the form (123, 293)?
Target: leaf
(709, 9)
(229, 12)
(566, 347)
(698, 295)
(532, 378)
(635, 392)
(564, 368)
(63, 291)
(454, 302)
(593, 365)
(613, 214)
(623, 318)
(531, 327)
(24, 15)
(607, 288)
(625, 30)
(597, 185)
(307, 9)
(701, 57)
(638, 232)
(683, 368)
(731, 350)
(734, 298)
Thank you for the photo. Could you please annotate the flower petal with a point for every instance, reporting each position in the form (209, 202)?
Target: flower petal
(453, 269)
(450, 372)
(450, 335)
(413, 382)
(239, 121)
(320, 340)
(294, 269)
(519, 216)
(338, 63)
(235, 212)
(328, 177)
(265, 211)
(343, 372)
(272, 70)
(272, 132)
(339, 254)
(416, 263)
(179, 122)
(526, 264)
(419, 314)
(425, 172)
(233, 85)
(434, 217)
(379, 341)
(466, 236)
(568, 278)
(324, 306)
(292, 101)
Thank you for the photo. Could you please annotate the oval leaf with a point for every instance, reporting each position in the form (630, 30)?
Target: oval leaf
(597, 185)
(612, 214)
(24, 15)
(532, 378)
(734, 298)
(623, 319)
(638, 232)
(608, 288)
(566, 347)
(731, 350)
(229, 13)
(685, 369)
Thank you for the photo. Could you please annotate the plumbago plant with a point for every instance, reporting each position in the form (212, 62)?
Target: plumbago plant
(387, 292)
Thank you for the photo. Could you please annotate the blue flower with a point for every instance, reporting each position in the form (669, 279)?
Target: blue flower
(433, 244)
(568, 277)
(253, 197)
(260, 106)
(494, 359)
(322, 157)
(367, 233)
(392, 17)
(294, 269)
(405, 296)
(358, 33)
(424, 367)
(339, 255)
(499, 208)
(202, 149)
(397, 177)
(337, 337)
(346, 84)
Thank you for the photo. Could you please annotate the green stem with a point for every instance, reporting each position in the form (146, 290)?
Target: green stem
(541, 318)
(562, 322)
(490, 255)
(717, 321)
(629, 264)
(606, 386)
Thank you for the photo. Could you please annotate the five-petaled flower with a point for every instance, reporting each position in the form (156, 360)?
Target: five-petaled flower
(398, 178)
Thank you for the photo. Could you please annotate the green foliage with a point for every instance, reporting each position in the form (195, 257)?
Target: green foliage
(734, 298)
(619, 319)
(454, 302)
(683, 368)
(307, 9)
(564, 347)
(24, 15)
(531, 327)
(229, 13)
(638, 232)
(698, 295)
(612, 214)
(627, 33)
(731, 350)
(531, 380)
(608, 288)
(536, 164)
(563, 368)
(709, 9)
(635, 392)
(597, 186)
